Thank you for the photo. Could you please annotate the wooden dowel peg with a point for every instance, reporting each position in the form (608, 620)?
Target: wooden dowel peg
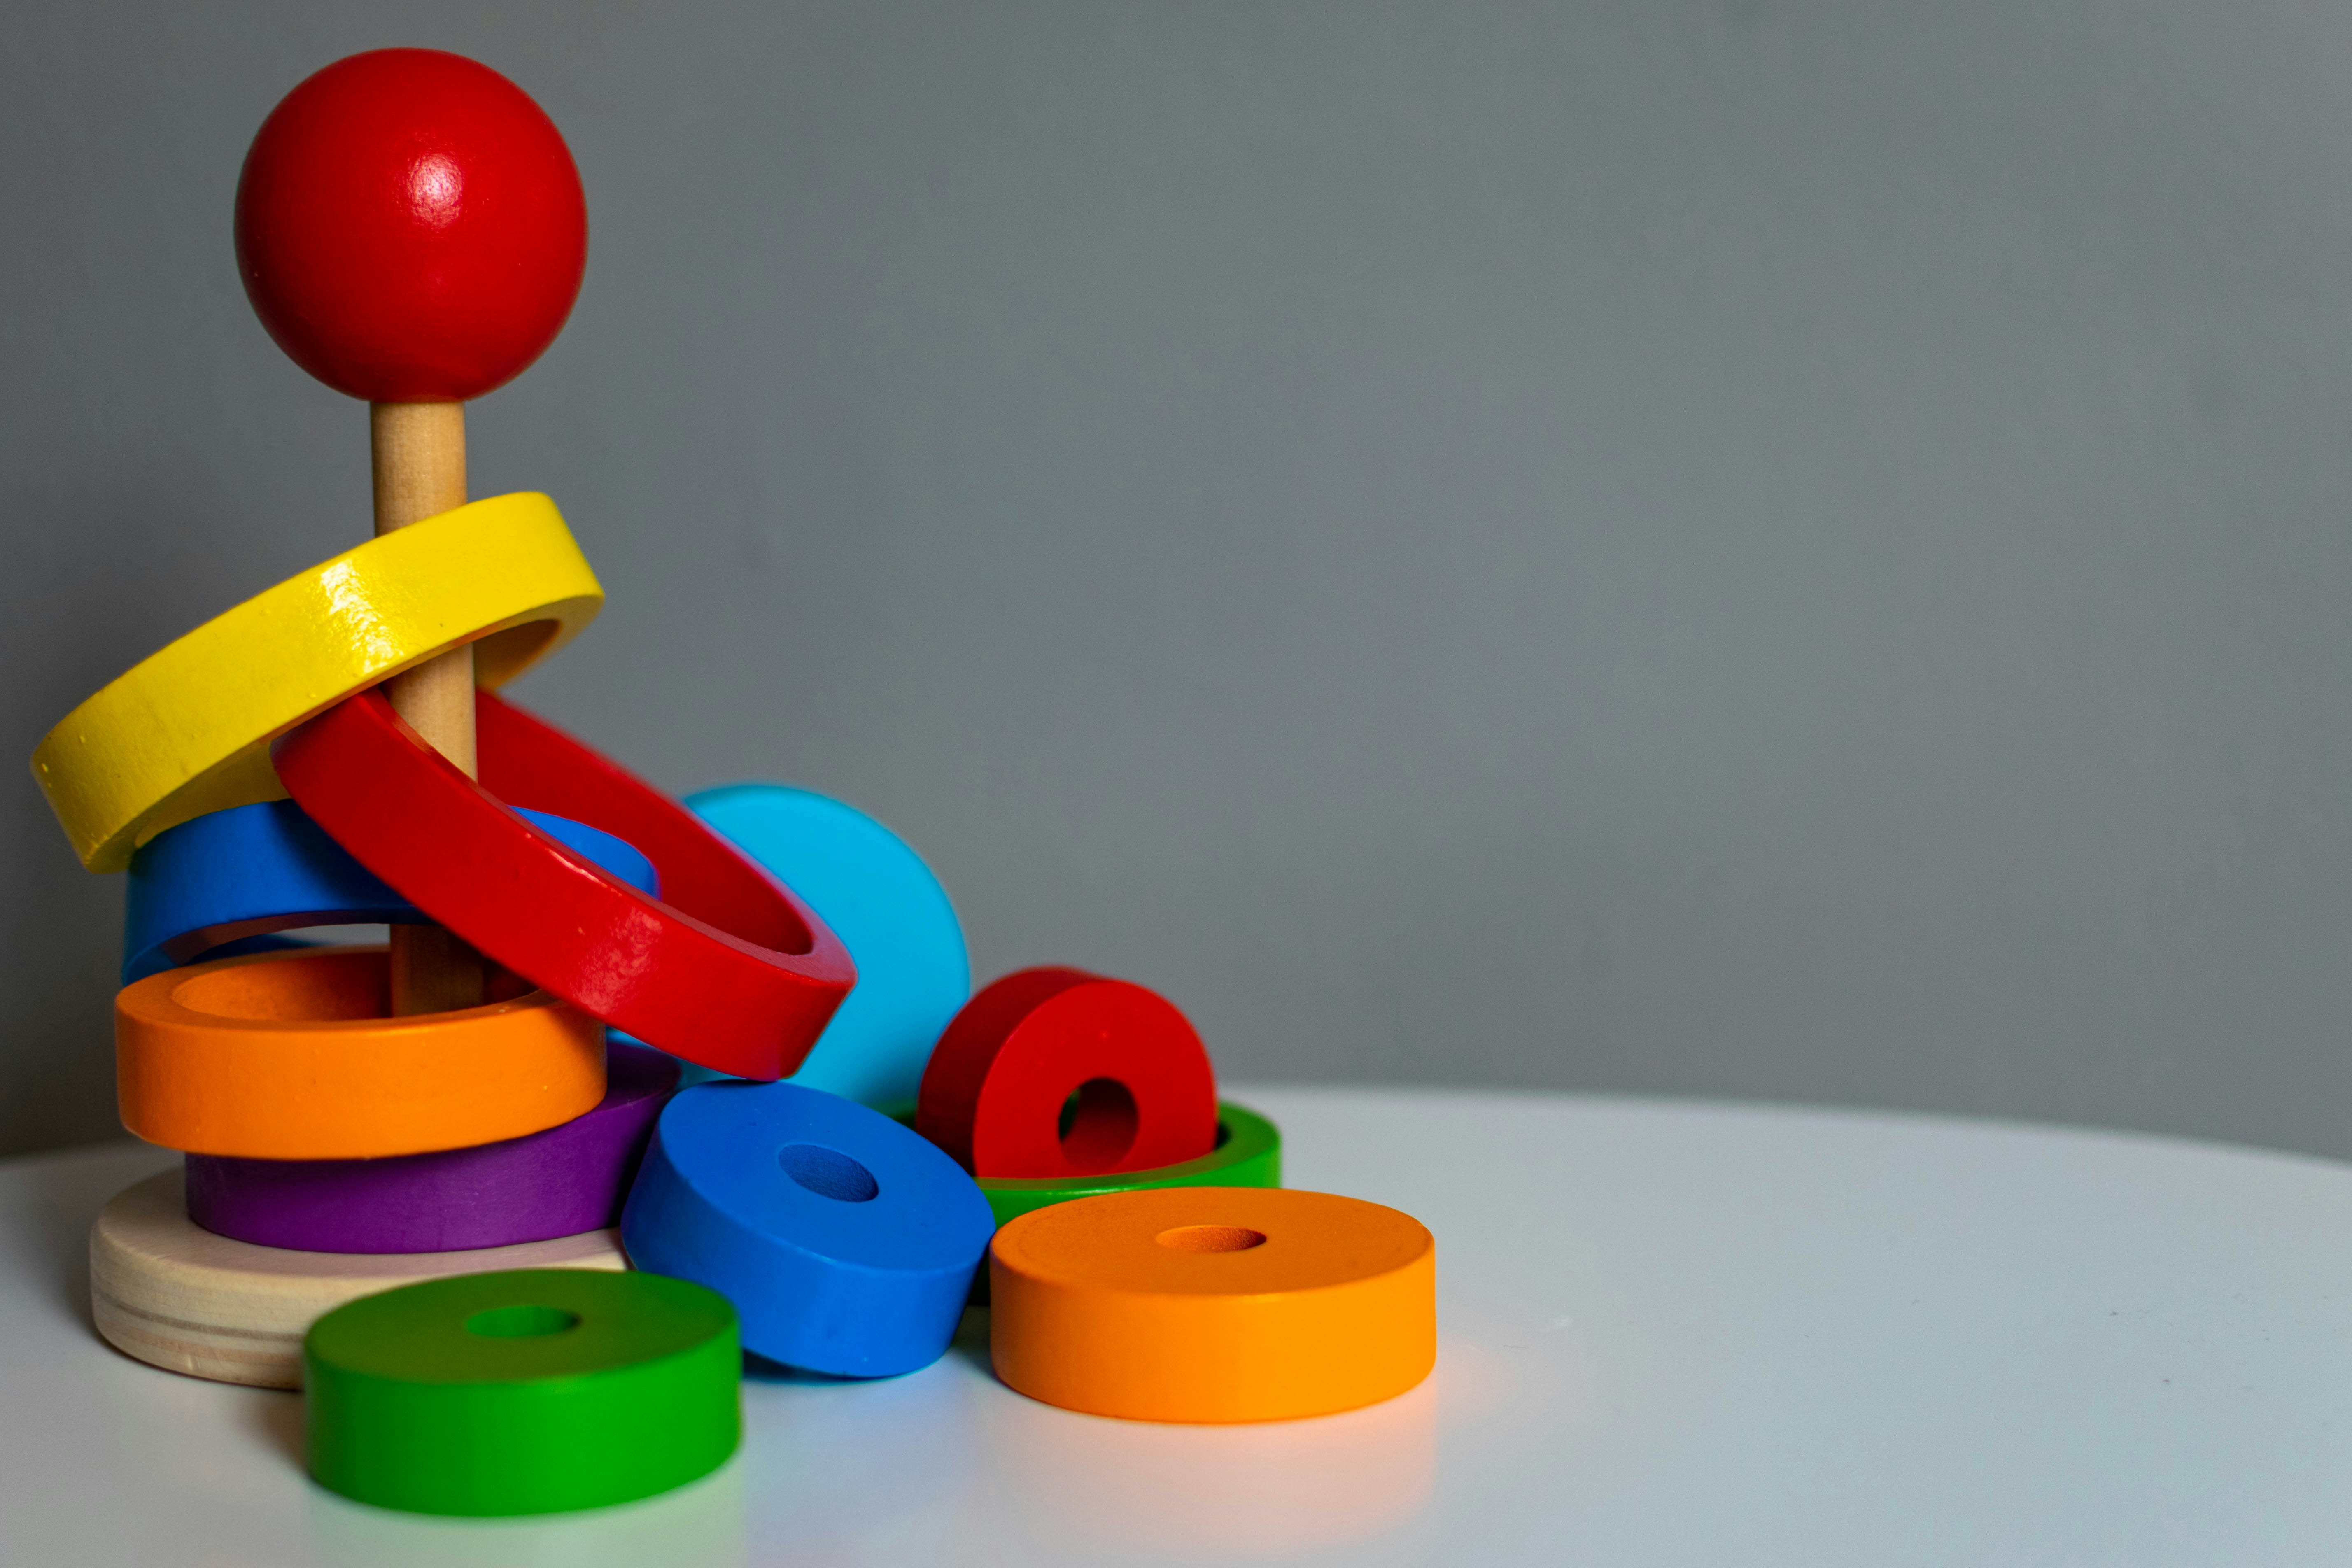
(419, 454)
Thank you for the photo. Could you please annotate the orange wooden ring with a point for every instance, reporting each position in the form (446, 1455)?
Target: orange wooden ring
(1213, 1304)
(288, 1056)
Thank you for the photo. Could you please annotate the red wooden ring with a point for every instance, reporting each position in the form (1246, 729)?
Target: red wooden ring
(1000, 1080)
(727, 969)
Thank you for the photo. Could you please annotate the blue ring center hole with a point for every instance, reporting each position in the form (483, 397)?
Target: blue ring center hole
(828, 1172)
(523, 1323)
(1097, 1125)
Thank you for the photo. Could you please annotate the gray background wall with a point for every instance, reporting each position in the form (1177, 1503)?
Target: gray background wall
(1751, 549)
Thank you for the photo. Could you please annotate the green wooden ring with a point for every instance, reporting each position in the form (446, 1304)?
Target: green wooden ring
(1248, 1154)
(532, 1391)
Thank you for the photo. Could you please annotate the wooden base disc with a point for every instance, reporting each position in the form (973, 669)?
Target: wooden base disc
(170, 1292)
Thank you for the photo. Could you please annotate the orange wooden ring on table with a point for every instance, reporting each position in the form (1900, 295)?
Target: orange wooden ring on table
(1214, 1303)
(290, 1055)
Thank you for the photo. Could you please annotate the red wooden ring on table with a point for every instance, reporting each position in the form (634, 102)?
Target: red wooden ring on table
(729, 969)
(999, 1092)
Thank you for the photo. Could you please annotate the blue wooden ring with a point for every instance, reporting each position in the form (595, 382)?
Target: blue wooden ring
(888, 909)
(847, 1242)
(252, 870)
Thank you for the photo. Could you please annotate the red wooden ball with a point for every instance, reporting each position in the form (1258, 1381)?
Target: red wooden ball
(411, 227)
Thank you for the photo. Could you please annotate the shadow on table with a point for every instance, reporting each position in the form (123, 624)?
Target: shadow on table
(275, 1415)
(48, 1229)
(1242, 1490)
(699, 1525)
(969, 1345)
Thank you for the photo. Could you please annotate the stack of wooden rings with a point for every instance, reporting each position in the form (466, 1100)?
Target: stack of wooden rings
(446, 1107)
(449, 1184)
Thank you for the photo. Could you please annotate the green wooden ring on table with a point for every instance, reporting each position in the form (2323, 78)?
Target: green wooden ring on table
(533, 1390)
(1248, 1154)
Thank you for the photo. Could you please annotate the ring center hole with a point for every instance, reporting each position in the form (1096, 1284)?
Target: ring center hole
(1211, 1238)
(520, 1323)
(828, 1172)
(1097, 1125)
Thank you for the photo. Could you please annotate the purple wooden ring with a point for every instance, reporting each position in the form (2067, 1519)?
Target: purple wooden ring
(562, 1182)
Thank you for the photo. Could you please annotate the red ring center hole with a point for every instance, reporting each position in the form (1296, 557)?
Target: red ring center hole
(1097, 1125)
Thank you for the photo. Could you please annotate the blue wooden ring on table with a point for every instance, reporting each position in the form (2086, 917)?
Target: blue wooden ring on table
(846, 1241)
(888, 909)
(252, 870)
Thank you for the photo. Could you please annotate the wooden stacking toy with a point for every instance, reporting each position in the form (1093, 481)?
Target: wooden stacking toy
(450, 1183)
(412, 231)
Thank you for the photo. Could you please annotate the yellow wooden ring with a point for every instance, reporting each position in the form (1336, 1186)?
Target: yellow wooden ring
(288, 1055)
(187, 729)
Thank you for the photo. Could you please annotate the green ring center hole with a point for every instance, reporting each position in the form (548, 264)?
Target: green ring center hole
(520, 1323)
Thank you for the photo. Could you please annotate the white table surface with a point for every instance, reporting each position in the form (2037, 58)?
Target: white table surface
(1671, 1333)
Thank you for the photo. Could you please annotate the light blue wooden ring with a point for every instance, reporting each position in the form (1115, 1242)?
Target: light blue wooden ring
(889, 909)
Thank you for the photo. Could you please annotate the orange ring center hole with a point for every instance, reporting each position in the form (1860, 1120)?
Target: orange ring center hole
(1211, 1238)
